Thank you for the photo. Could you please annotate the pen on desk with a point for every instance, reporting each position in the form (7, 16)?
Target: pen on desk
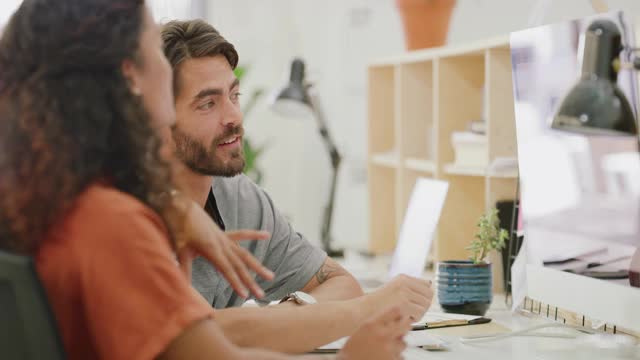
(480, 320)
(434, 347)
(450, 323)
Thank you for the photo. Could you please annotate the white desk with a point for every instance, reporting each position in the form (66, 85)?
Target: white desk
(520, 348)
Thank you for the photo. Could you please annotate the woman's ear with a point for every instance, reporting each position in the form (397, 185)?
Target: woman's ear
(132, 75)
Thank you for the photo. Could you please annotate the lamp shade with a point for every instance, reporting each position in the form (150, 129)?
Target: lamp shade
(293, 100)
(596, 105)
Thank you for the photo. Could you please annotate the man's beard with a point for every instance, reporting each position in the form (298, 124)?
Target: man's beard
(205, 161)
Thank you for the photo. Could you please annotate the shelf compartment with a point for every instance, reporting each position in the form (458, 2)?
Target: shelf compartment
(457, 227)
(382, 209)
(381, 109)
(415, 109)
(459, 93)
(499, 104)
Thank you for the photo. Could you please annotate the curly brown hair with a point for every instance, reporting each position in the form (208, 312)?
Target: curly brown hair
(68, 117)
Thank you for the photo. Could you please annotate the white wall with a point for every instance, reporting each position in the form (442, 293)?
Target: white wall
(477, 19)
(161, 9)
(337, 38)
(7, 7)
(165, 10)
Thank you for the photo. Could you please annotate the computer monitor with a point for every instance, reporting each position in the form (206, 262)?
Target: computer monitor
(580, 193)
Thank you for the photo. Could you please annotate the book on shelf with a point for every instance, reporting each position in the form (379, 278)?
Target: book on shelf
(478, 127)
(470, 150)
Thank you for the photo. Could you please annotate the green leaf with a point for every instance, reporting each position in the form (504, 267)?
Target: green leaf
(251, 153)
(489, 236)
(240, 71)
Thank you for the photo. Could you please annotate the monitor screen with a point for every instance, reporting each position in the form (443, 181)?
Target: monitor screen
(580, 192)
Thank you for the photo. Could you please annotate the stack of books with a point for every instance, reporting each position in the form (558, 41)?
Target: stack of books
(470, 149)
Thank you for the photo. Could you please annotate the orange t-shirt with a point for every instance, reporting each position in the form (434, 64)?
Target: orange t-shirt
(112, 280)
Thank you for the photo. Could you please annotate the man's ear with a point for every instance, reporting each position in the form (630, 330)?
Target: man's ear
(132, 75)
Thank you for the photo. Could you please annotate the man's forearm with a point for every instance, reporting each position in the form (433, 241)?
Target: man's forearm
(292, 329)
(342, 287)
(333, 282)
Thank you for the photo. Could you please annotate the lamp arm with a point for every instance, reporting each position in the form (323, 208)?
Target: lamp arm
(336, 159)
(329, 143)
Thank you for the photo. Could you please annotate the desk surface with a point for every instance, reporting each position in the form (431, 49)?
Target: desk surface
(520, 348)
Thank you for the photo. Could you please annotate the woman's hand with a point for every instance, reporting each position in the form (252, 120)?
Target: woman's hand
(204, 238)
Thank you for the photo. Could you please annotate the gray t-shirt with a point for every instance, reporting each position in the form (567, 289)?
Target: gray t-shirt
(244, 205)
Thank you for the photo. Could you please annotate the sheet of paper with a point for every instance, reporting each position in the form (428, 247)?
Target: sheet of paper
(432, 317)
(413, 339)
(519, 273)
(550, 245)
(420, 221)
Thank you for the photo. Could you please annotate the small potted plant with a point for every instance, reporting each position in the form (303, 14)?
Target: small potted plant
(465, 287)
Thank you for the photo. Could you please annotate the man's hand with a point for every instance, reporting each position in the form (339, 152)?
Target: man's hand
(379, 338)
(406, 292)
(203, 237)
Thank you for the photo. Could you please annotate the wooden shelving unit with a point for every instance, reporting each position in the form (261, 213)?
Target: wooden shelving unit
(415, 102)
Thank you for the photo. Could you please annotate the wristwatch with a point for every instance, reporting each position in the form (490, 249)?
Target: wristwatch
(300, 298)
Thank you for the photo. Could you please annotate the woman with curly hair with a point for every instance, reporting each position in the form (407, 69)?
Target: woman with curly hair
(85, 91)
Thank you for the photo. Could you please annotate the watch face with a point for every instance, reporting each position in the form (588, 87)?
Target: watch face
(305, 298)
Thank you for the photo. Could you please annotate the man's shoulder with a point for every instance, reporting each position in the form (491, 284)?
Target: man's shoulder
(234, 182)
(239, 187)
(243, 204)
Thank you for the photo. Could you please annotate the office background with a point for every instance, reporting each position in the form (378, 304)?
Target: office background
(337, 38)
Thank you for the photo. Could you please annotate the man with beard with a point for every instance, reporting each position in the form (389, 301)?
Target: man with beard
(322, 301)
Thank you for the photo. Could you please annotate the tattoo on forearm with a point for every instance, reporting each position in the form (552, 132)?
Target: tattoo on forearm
(326, 271)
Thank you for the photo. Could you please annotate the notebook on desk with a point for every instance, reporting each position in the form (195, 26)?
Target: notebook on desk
(433, 320)
(416, 233)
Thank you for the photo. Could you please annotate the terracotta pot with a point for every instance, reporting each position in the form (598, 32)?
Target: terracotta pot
(426, 22)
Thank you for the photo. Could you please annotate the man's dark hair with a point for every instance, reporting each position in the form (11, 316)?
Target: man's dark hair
(69, 118)
(194, 39)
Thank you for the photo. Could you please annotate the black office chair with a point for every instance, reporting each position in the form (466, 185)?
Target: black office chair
(27, 327)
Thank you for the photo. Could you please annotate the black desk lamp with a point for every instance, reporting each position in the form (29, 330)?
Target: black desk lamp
(295, 101)
(596, 105)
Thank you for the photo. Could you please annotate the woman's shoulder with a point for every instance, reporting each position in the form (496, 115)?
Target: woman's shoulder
(104, 209)
(100, 200)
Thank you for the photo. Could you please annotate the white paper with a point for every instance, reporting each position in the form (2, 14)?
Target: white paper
(417, 230)
(423, 338)
(413, 339)
(336, 345)
(431, 317)
(519, 274)
(552, 245)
